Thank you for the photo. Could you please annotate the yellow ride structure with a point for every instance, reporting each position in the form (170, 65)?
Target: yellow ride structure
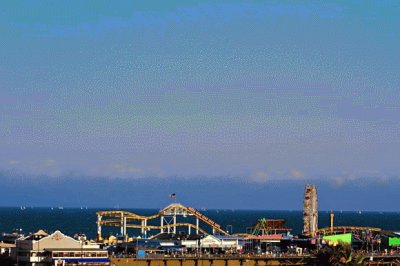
(354, 230)
(346, 229)
(167, 216)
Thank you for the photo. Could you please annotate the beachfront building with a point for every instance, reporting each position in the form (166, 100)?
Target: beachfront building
(264, 243)
(267, 235)
(6, 248)
(216, 243)
(40, 249)
(191, 243)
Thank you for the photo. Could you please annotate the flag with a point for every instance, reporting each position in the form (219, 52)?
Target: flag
(172, 195)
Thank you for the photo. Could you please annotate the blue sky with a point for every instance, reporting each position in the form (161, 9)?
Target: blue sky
(259, 93)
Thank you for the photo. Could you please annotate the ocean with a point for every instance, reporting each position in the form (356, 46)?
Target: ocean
(76, 220)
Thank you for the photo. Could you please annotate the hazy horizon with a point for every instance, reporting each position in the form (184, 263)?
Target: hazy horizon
(229, 104)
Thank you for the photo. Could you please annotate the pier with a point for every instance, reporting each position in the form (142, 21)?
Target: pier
(217, 261)
(369, 260)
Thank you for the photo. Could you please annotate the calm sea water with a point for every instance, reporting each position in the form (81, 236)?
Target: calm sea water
(71, 221)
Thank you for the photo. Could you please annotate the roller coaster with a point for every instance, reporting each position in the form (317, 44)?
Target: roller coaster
(344, 229)
(168, 221)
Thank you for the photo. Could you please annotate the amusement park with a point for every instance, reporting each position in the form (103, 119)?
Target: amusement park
(181, 231)
(178, 235)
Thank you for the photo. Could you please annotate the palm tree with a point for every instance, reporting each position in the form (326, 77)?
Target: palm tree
(341, 254)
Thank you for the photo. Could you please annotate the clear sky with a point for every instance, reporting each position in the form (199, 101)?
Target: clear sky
(254, 96)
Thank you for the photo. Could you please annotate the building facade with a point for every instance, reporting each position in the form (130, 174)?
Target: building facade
(221, 242)
(41, 249)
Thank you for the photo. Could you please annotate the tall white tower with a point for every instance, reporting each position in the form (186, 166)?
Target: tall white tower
(310, 212)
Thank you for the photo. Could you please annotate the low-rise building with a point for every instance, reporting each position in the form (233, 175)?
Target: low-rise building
(6, 248)
(220, 242)
(40, 249)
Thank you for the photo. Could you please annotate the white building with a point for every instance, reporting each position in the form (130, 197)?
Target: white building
(221, 242)
(190, 243)
(57, 249)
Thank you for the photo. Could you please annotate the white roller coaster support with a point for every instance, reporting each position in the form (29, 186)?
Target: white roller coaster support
(145, 229)
(99, 226)
(122, 224)
(174, 224)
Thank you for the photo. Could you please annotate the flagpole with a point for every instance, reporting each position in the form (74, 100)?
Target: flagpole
(173, 196)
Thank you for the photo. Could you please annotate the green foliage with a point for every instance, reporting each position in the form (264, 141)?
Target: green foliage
(339, 255)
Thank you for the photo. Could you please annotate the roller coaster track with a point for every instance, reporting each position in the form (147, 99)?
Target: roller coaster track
(148, 227)
(171, 210)
(128, 215)
(208, 221)
(343, 229)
